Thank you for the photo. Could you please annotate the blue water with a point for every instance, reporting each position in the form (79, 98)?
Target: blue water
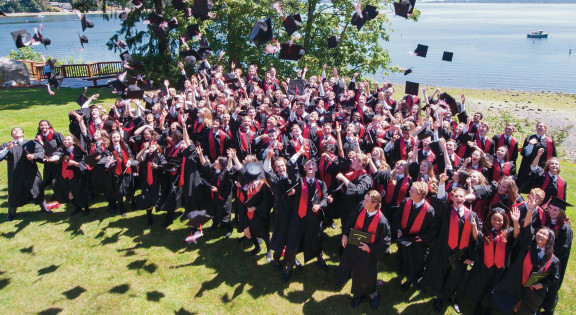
(489, 42)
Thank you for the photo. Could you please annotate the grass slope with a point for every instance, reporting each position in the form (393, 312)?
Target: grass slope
(102, 264)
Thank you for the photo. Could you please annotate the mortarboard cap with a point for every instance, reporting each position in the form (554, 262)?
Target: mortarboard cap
(22, 38)
(86, 23)
(230, 77)
(297, 87)
(447, 56)
(190, 56)
(201, 8)
(197, 218)
(262, 32)
(254, 168)
(56, 81)
(2, 13)
(83, 40)
(52, 63)
(292, 23)
(82, 99)
(172, 23)
(121, 44)
(411, 88)
(204, 53)
(123, 16)
(137, 3)
(179, 4)
(560, 203)
(117, 85)
(368, 13)
(421, 50)
(450, 101)
(203, 43)
(497, 205)
(425, 133)
(333, 42)
(192, 31)
(125, 56)
(134, 92)
(291, 52)
(139, 65)
(155, 18)
(404, 7)
(407, 71)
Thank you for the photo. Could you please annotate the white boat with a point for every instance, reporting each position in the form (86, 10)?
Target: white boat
(537, 34)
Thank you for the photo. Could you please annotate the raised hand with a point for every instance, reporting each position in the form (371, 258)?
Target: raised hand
(515, 214)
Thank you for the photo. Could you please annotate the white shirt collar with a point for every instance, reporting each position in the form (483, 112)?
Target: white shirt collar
(419, 204)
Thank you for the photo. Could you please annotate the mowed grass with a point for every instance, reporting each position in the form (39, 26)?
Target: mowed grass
(102, 264)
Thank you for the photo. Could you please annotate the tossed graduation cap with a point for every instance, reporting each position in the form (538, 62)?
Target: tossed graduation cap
(86, 23)
(52, 63)
(179, 5)
(197, 218)
(203, 43)
(407, 71)
(22, 38)
(292, 23)
(204, 53)
(230, 77)
(137, 3)
(291, 51)
(201, 8)
(123, 16)
(121, 44)
(2, 13)
(447, 56)
(404, 7)
(262, 32)
(425, 133)
(190, 56)
(134, 92)
(155, 18)
(117, 85)
(450, 101)
(125, 56)
(41, 39)
(254, 168)
(192, 31)
(92, 159)
(560, 203)
(172, 23)
(421, 50)
(56, 81)
(411, 88)
(333, 42)
(297, 87)
(368, 13)
(82, 99)
(83, 40)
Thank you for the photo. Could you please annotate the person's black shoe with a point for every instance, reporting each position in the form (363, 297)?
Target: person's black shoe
(322, 264)
(255, 251)
(356, 300)
(455, 305)
(9, 217)
(405, 286)
(277, 266)
(269, 256)
(437, 305)
(375, 302)
(286, 276)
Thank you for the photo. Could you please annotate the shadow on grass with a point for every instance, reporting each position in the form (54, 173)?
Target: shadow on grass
(4, 283)
(51, 311)
(120, 289)
(74, 292)
(154, 296)
(27, 250)
(182, 311)
(48, 270)
(13, 99)
(19, 227)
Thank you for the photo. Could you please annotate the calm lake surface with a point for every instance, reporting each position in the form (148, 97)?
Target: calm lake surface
(489, 42)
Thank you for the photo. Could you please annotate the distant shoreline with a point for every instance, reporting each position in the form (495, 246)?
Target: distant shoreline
(23, 14)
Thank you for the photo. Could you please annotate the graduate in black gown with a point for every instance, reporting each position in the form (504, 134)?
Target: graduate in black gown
(50, 141)
(71, 183)
(352, 187)
(415, 232)
(305, 227)
(24, 179)
(119, 175)
(361, 263)
(559, 223)
(282, 183)
(150, 164)
(458, 235)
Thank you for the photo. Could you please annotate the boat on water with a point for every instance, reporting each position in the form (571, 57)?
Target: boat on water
(537, 34)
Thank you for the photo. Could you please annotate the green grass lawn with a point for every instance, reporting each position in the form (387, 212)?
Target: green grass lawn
(102, 264)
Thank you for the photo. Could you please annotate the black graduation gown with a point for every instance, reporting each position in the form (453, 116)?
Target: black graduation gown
(383, 178)
(483, 279)
(411, 259)
(97, 175)
(220, 203)
(522, 180)
(170, 189)
(50, 169)
(290, 149)
(118, 186)
(221, 143)
(283, 205)
(306, 233)
(509, 291)
(346, 198)
(439, 275)
(360, 265)
(562, 245)
(150, 193)
(78, 184)
(192, 193)
(537, 180)
(24, 179)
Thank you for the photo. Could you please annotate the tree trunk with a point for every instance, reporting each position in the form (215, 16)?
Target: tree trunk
(163, 48)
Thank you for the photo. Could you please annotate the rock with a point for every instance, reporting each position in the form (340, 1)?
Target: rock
(9, 83)
(11, 69)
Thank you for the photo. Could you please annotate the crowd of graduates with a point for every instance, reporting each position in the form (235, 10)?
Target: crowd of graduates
(282, 161)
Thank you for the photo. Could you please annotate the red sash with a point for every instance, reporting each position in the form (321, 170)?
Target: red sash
(403, 153)
(498, 172)
(373, 225)
(149, 174)
(401, 193)
(560, 182)
(549, 148)
(120, 162)
(306, 132)
(92, 127)
(212, 144)
(351, 176)
(454, 228)
(486, 145)
(66, 173)
(323, 167)
(527, 266)
(461, 150)
(244, 141)
(197, 127)
(542, 215)
(417, 224)
(40, 137)
(501, 143)
(498, 258)
(212, 193)
(303, 203)
(252, 190)
(182, 167)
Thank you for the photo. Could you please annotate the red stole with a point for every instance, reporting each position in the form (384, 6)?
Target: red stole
(212, 144)
(403, 152)
(498, 258)
(461, 150)
(149, 174)
(307, 129)
(197, 127)
(417, 224)
(497, 171)
(486, 146)
(325, 162)
(182, 172)
(549, 148)
(92, 127)
(245, 139)
(510, 147)
(373, 225)
(303, 203)
(66, 173)
(352, 175)
(528, 265)
(40, 136)
(120, 162)
(559, 181)
(252, 190)
(401, 193)
(454, 228)
(296, 144)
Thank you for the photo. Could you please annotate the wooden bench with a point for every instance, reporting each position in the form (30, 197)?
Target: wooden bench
(89, 72)
(95, 79)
